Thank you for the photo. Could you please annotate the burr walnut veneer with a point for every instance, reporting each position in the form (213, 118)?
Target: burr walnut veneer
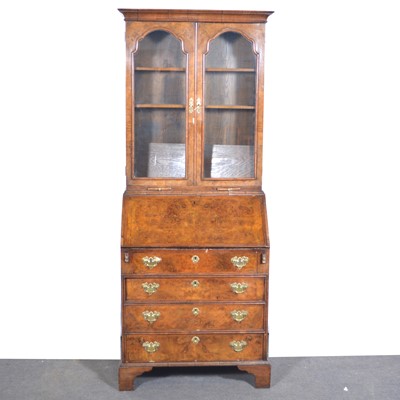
(194, 245)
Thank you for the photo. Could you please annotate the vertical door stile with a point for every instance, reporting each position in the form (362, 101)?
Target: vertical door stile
(191, 116)
(130, 43)
(194, 117)
(200, 50)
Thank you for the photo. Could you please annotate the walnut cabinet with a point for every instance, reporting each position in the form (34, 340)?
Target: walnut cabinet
(194, 243)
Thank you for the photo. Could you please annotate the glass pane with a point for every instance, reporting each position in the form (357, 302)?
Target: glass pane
(229, 149)
(160, 111)
(230, 100)
(159, 87)
(160, 49)
(230, 88)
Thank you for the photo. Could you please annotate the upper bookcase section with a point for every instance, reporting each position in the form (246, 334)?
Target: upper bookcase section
(196, 16)
(194, 100)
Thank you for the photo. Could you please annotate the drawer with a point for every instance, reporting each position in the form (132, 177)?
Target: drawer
(153, 289)
(202, 347)
(194, 261)
(193, 317)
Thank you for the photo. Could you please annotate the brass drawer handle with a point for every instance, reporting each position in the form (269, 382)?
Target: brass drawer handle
(150, 288)
(151, 262)
(151, 347)
(239, 287)
(151, 316)
(195, 340)
(238, 345)
(239, 315)
(195, 311)
(239, 262)
(195, 259)
(195, 284)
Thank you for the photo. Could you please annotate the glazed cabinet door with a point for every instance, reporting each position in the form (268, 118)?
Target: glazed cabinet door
(230, 91)
(160, 90)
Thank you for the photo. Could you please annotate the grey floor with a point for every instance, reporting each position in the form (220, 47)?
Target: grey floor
(322, 378)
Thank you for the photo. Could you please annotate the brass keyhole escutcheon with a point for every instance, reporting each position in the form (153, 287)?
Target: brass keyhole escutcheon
(195, 259)
(195, 311)
(191, 104)
(195, 340)
(198, 105)
(195, 283)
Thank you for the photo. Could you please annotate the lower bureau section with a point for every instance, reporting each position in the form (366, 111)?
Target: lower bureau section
(192, 348)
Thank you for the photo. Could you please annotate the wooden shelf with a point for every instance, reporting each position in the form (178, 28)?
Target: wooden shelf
(230, 107)
(230, 70)
(160, 69)
(180, 106)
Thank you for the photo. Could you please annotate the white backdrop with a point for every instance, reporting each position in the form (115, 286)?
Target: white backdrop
(331, 175)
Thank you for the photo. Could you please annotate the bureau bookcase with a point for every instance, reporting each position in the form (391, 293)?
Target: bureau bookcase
(194, 243)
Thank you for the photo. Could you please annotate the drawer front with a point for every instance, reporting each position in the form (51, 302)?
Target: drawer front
(192, 317)
(202, 347)
(196, 261)
(194, 289)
